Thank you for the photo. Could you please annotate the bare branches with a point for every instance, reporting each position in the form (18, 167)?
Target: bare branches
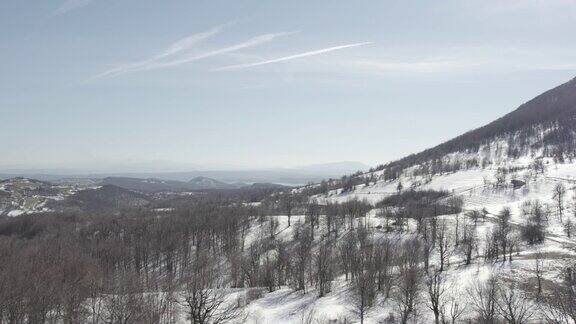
(435, 284)
(484, 298)
(512, 306)
(204, 292)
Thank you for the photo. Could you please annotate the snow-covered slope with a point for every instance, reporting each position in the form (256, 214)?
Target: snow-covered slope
(535, 143)
(519, 161)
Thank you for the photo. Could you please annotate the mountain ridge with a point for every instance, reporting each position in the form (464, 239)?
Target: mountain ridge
(553, 111)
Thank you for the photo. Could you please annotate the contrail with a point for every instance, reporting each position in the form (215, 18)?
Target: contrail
(291, 57)
(155, 62)
(249, 43)
(68, 6)
(173, 49)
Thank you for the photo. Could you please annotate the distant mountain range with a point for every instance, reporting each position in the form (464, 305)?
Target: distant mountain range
(24, 196)
(150, 185)
(231, 178)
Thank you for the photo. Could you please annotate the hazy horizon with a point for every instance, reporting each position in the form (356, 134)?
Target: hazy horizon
(256, 84)
(143, 167)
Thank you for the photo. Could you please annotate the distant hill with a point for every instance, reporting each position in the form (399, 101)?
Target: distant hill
(105, 198)
(148, 185)
(151, 185)
(21, 195)
(202, 183)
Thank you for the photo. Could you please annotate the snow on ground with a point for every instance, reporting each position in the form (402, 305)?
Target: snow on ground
(457, 183)
(476, 188)
(287, 306)
(14, 213)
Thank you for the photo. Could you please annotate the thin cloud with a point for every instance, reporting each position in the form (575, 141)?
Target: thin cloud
(291, 57)
(155, 63)
(258, 40)
(69, 6)
(177, 47)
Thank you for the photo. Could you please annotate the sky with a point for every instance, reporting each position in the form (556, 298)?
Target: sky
(247, 83)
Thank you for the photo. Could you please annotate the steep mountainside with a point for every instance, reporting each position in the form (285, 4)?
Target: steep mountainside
(544, 125)
(534, 144)
(515, 176)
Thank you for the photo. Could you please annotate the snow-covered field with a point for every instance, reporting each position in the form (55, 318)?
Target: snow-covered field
(476, 187)
(288, 306)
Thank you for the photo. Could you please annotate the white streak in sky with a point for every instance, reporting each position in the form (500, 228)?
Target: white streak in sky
(156, 62)
(68, 6)
(291, 57)
(175, 48)
(258, 40)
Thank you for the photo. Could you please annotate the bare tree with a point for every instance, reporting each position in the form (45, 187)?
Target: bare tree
(282, 262)
(269, 274)
(484, 299)
(364, 282)
(503, 230)
(453, 309)
(469, 243)
(124, 303)
(324, 268)
(444, 244)
(428, 240)
(512, 306)
(408, 295)
(313, 216)
(559, 194)
(364, 288)
(288, 201)
(75, 285)
(331, 211)
(513, 245)
(538, 271)
(347, 252)
(384, 262)
(204, 293)
(553, 315)
(301, 257)
(568, 227)
(562, 299)
(273, 226)
(94, 286)
(435, 284)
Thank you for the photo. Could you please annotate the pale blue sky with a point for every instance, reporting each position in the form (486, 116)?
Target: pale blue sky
(266, 83)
